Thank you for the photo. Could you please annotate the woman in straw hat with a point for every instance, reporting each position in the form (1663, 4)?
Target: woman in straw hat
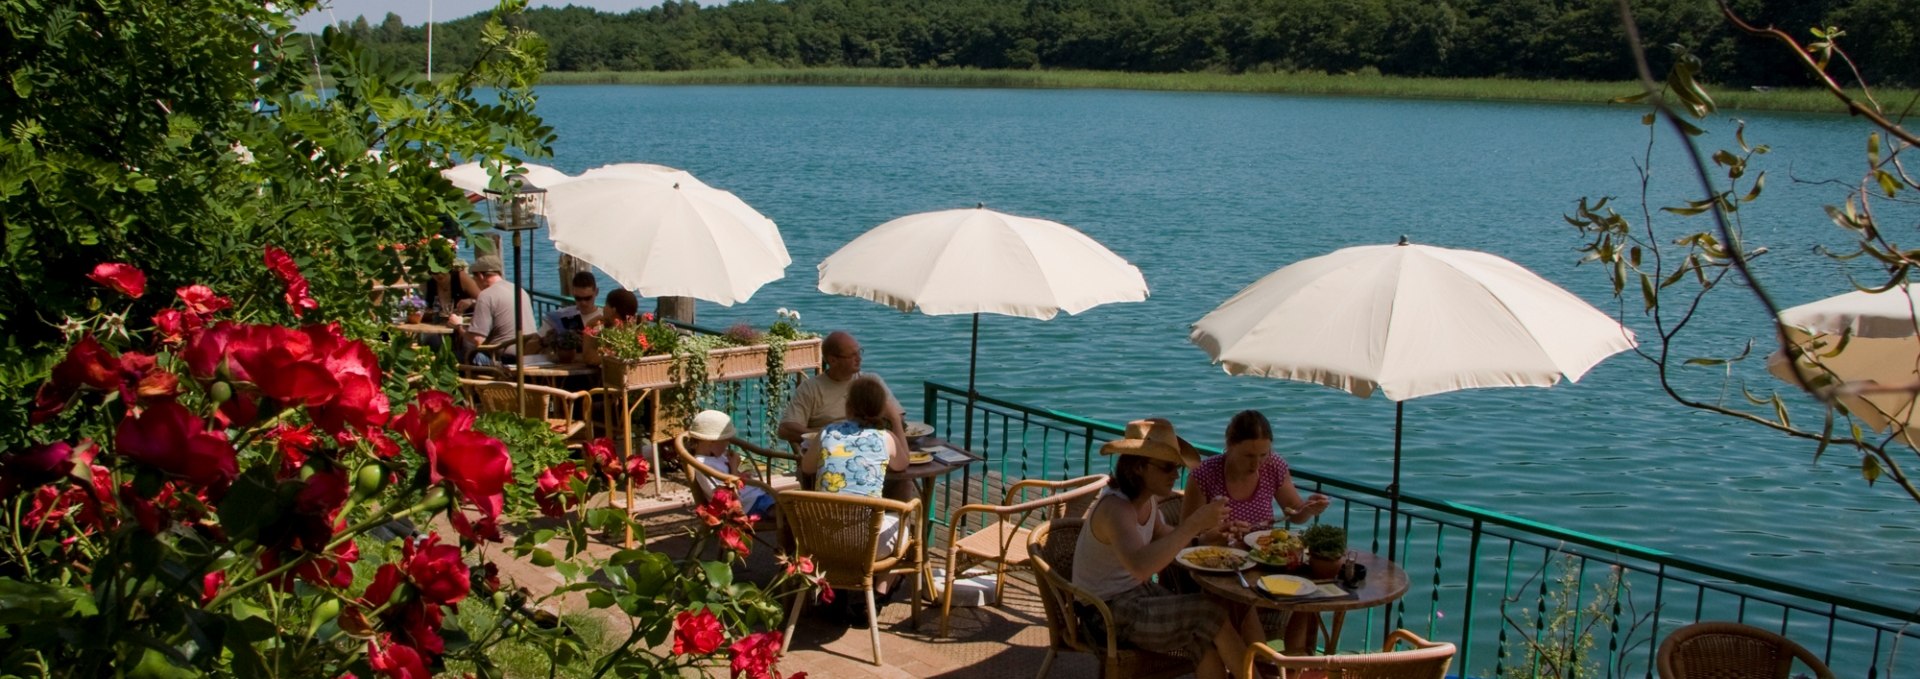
(1127, 541)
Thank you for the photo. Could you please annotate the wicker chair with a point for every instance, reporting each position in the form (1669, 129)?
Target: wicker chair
(1426, 660)
(1004, 541)
(1730, 650)
(567, 413)
(842, 534)
(1050, 551)
(754, 475)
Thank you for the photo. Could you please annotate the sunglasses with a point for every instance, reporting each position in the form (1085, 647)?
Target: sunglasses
(1165, 467)
(583, 298)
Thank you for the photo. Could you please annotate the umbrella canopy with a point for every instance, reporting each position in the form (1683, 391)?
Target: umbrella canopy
(1882, 347)
(1408, 320)
(473, 177)
(662, 238)
(975, 261)
(645, 171)
(972, 261)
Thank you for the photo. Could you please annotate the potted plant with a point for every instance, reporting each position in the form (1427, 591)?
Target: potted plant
(1326, 546)
(565, 346)
(413, 306)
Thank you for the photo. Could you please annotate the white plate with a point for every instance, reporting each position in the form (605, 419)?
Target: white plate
(1306, 587)
(1253, 539)
(1184, 559)
(918, 429)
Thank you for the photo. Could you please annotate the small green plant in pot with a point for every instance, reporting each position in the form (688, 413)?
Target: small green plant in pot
(1326, 545)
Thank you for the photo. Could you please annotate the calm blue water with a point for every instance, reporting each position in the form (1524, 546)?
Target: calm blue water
(1206, 193)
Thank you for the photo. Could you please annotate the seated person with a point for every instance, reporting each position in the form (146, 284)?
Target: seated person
(1251, 479)
(709, 438)
(853, 455)
(452, 292)
(578, 317)
(1126, 541)
(822, 398)
(622, 307)
(493, 310)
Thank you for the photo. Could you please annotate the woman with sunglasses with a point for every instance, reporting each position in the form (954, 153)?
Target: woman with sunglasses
(1126, 541)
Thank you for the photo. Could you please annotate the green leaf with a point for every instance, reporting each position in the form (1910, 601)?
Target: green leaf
(1706, 361)
(32, 602)
(1631, 98)
(718, 573)
(542, 558)
(599, 599)
(154, 664)
(1888, 183)
(1873, 149)
(1759, 182)
(1780, 410)
(1870, 468)
(1647, 293)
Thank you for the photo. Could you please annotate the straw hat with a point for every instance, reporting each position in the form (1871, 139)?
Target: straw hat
(711, 425)
(1154, 438)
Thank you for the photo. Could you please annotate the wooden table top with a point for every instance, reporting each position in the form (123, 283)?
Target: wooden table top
(1386, 582)
(424, 328)
(931, 468)
(560, 369)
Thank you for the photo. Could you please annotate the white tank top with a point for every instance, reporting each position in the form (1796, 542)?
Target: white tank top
(1096, 565)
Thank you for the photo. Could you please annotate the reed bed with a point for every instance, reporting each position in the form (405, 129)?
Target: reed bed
(1358, 85)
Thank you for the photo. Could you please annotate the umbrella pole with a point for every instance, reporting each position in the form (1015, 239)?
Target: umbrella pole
(973, 361)
(1393, 509)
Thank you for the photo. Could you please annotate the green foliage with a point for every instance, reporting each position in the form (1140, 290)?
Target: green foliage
(535, 448)
(1556, 638)
(1324, 540)
(1545, 39)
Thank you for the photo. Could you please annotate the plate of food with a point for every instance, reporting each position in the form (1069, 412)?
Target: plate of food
(1277, 547)
(919, 457)
(1287, 585)
(918, 429)
(1214, 559)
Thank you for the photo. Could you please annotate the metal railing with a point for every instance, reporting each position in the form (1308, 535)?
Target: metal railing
(1486, 581)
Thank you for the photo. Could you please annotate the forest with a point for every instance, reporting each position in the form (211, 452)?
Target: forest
(1532, 39)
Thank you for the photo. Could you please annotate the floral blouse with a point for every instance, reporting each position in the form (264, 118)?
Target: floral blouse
(854, 460)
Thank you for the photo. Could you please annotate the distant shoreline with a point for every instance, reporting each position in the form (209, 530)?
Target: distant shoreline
(1479, 89)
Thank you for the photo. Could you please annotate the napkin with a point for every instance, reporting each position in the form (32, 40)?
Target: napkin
(1283, 586)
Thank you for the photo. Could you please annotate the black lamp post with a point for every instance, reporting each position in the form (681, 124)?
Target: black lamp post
(519, 208)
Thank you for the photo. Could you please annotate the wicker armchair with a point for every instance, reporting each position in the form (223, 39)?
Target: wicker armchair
(754, 475)
(1730, 650)
(1050, 551)
(568, 413)
(1426, 660)
(842, 534)
(1003, 542)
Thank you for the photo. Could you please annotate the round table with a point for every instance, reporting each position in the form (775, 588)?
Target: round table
(424, 329)
(1386, 582)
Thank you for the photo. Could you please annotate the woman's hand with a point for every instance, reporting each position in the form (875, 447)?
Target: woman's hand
(1314, 505)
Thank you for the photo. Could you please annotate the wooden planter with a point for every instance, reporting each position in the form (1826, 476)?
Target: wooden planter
(723, 365)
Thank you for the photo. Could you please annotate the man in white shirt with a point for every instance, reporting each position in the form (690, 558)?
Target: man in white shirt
(580, 315)
(822, 399)
(493, 309)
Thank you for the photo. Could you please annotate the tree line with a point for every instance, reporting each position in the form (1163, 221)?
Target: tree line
(1539, 39)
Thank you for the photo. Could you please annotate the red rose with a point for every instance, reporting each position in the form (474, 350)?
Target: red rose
(697, 633)
(357, 401)
(554, 491)
(431, 418)
(201, 301)
(386, 581)
(802, 565)
(754, 655)
(170, 439)
(296, 294)
(173, 326)
(123, 278)
(210, 586)
(479, 468)
(37, 466)
(292, 444)
(396, 660)
(437, 570)
(734, 539)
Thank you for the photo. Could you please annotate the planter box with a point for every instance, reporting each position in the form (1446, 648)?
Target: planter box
(723, 365)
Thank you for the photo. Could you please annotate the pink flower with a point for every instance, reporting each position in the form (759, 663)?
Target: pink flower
(296, 294)
(210, 586)
(437, 570)
(555, 484)
(123, 278)
(173, 325)
(754, 655)
(201, 301)
(396, 660)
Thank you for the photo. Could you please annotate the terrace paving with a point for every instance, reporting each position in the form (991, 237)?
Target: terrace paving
(986, 642)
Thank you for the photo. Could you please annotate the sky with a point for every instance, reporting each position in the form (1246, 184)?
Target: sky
(414, 12)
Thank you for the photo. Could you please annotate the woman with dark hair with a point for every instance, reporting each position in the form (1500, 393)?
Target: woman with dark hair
(622, 307)
(853, 456)
(1126, 541)
(1250, 478)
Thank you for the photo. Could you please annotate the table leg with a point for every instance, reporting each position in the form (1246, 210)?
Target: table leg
(626, 455)
(1333, 632)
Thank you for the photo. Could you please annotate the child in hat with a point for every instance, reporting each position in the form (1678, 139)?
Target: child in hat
(709, 434)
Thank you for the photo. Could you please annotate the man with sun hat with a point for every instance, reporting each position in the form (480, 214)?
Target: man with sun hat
(1126, 541)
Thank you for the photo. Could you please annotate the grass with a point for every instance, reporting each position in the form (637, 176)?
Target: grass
(1471, 89)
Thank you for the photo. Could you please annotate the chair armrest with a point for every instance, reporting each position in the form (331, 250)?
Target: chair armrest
(763, 451)
(1106, 614)
(1412, 639)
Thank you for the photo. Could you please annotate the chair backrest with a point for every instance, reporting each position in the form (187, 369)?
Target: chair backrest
(1427, 660)
(1051, 548)
(842, 533)
(1171, 505)
(1731, 650)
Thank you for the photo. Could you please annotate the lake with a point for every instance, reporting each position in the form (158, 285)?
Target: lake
(1207, 193)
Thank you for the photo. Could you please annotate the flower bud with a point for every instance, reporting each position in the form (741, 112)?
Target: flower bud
(436, 500)
(368, 481)
(219, 392)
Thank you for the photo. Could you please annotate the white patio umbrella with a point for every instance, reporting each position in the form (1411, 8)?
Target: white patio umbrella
(663, 238)
(473, 177)
(1881, 348)
(645, 171)
(1408, 320)
(975, 261)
